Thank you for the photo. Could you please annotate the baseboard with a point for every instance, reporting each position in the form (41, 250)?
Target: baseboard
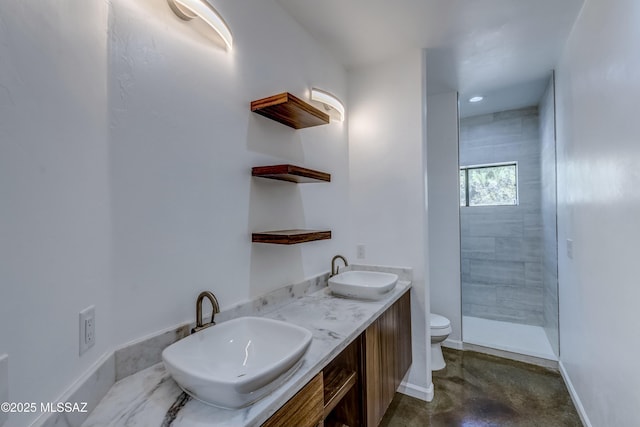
(454, 344)
(574, 396)
(417, 391)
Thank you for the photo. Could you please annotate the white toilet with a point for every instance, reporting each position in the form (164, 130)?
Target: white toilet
(440, 330)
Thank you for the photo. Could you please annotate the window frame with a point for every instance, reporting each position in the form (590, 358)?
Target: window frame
(484, 166)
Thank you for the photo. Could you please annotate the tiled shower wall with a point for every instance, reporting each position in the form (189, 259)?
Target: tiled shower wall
(502, 271)
(549, 222)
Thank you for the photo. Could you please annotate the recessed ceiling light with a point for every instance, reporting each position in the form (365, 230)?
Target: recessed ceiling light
(476, 99)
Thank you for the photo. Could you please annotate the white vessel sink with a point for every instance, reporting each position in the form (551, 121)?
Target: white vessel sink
(235, 363)
(363, 284)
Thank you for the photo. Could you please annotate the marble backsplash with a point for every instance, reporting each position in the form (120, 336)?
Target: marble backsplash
(151, 398)
(146, 352)
(142, 354)
(90, 390)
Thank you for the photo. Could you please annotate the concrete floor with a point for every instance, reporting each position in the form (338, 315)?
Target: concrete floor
(478, 390)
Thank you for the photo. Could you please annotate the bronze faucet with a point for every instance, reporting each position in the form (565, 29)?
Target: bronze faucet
(334, 268)
(216, 309)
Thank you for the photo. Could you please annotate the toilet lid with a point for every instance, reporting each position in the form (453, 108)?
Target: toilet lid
(438, 322)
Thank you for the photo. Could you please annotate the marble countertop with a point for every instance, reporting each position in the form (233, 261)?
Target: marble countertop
(151, 397)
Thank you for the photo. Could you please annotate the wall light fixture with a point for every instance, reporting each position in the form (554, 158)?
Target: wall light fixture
(331, 103)
(189, 9)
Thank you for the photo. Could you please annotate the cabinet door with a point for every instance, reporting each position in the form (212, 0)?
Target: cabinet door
(305, 409)
(387, 357)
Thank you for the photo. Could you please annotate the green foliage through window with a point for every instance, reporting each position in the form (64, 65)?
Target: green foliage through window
(490, 185)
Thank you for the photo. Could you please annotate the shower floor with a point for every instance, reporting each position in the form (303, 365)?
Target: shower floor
(506, 336)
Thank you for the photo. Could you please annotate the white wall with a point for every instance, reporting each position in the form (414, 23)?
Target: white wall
(599, 207)
(386, 153)
(54, 187)
(126, 146)
(183, 144)
(444, 209)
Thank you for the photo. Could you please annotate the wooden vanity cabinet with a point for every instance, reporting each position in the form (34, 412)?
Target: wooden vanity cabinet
(305, 409)
(357, 386)
(386, 356)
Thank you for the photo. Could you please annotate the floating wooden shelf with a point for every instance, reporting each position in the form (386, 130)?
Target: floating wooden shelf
(337, 383)
(290, 237)
(290, 110)
(290, 173)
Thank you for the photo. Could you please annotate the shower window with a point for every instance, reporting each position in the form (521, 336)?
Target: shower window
(489, 185)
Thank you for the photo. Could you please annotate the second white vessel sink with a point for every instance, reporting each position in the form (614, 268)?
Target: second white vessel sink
(235, 363)
(370, 285)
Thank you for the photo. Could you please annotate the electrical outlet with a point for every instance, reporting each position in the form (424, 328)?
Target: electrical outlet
(569, 248)
(87, 329)
(4, 385)
(360, 251)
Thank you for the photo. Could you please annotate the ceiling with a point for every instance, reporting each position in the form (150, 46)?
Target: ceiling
(473, 46)
(506, 98)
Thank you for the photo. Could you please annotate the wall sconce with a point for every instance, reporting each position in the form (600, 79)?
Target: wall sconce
(189, 9)
(332, 104)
